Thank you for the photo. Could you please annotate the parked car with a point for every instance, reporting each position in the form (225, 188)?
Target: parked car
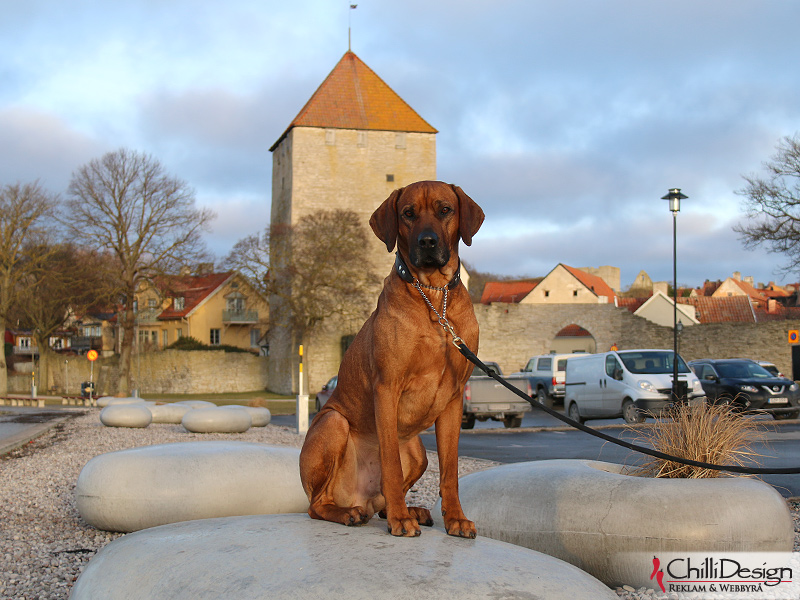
(325, 393)
(625, 383)
(748, 386)
(546, 375)
(485, 398)
(771, 368)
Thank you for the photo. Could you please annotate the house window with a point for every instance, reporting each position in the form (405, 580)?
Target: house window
(136, 306)
(574, 293)
(152, 303)
(362, 139)
(235, 303)
(330, 137)
(214, 337)
(24, 342)
(178, 303)
(547, 293)
(255, 337)
(400, 141)
(165, 338)
(390, 177)
(91, 331)
(178, 334)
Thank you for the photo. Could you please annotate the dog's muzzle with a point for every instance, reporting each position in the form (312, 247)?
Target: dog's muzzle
(429, 251)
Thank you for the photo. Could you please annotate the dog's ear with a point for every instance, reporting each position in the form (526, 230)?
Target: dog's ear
(384, 220)
(470, 216)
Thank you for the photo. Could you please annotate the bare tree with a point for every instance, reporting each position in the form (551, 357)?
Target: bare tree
(68, 281)
(772, 205)
(126, 203)
(24, 213)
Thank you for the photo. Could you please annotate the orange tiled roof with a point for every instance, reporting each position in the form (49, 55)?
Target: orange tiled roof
(192, 288)
(592, 282)
(632, 304)
(506, 291)
(573, 331)
(354, 97)
(708, 309)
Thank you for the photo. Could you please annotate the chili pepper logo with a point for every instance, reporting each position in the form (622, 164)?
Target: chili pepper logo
(658, 574)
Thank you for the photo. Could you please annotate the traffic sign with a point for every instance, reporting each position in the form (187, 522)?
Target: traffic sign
(794, 336)
(92, 355)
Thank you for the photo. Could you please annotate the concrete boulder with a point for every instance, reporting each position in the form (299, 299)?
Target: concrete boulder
(198, 403)
(293, 556)
(216, 420)
(259, 416)
(126, 415)
(169, 413)
(610, 524)
(109, 400)
(148, 486)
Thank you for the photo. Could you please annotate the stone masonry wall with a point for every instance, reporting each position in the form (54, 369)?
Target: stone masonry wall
(164, 372)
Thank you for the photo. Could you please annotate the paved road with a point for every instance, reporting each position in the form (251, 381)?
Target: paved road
(20, 424)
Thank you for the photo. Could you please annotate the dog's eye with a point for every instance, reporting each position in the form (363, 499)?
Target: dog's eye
(445, 210)
(408, 213)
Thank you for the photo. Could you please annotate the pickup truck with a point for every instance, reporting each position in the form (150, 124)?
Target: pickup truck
(485, 398)
(546, 375)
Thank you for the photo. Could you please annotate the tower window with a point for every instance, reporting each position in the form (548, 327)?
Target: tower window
(362, 139)
(389, 177)
(400, 141)
(330, 137)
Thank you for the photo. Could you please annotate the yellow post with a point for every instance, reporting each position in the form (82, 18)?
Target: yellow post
(302, 400)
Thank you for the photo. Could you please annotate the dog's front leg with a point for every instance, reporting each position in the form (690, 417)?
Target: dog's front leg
(448, 429)
(399, 519)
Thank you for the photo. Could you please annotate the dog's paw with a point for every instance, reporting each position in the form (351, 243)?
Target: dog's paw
(460, 528)
(422, 515)
(408, 527)
(355, 516)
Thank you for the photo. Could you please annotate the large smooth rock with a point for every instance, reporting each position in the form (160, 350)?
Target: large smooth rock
(108, 400)
(148, 486)
(293, 556)
(169, 413)
(259, 416)
(609, 524)
(126, 415)
(216, 420)
(198, 403)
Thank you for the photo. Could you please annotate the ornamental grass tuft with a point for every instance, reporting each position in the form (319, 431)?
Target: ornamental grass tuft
(710, 433)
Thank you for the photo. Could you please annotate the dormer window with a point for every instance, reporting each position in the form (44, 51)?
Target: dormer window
(178, 303)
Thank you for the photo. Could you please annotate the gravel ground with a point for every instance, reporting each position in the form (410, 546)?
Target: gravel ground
(44, 545)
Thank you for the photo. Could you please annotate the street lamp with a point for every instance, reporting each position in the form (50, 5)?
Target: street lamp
(674, 198)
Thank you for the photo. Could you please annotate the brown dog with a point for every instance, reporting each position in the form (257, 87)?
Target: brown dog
(401, 375)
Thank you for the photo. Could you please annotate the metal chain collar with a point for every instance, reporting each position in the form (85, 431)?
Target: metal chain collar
(442, 317)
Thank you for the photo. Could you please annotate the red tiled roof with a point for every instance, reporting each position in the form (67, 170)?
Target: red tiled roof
(632, 304)
(354, 97)
(592, 282)
(724, 309)
(506, 291)
(752, 292)
(779, 313)
(192, 288)
(573, 331)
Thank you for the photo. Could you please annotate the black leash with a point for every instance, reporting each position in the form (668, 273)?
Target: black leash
(470, 356)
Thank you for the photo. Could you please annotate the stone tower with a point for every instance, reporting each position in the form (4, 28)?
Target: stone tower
(352, 144)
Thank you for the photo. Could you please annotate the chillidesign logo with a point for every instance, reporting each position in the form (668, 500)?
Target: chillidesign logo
(658, 573)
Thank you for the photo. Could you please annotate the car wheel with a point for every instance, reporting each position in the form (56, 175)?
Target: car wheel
(512, 421)
(468, 421)
(787, 415)
(631, 413)
(543, 398)
(575, 414)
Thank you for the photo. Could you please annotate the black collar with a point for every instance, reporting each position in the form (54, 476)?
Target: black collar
(405, 274)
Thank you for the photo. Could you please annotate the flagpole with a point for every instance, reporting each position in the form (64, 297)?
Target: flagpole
(349, 22)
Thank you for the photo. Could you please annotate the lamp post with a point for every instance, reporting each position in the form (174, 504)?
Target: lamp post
(674, 197)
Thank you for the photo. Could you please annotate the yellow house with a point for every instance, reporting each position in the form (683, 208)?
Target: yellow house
(214, 308)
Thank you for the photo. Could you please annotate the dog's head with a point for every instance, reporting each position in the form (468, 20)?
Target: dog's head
(426, 219)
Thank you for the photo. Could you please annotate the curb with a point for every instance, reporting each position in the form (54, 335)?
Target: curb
(29, 434)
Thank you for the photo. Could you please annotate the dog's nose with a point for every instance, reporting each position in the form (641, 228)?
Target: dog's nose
(428, 239)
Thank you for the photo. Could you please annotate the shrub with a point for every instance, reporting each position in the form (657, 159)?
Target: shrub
(710, 433)
(190, 343)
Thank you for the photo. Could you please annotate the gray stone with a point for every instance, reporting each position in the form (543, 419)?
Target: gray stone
(609, 524)
(293, 556)
(169, 413)
(260, 416)
(148, 486)
(198, 403)
(216, 420)
(126, 415)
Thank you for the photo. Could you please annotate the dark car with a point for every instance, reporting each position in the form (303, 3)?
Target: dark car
(746, 385)
(325, 393)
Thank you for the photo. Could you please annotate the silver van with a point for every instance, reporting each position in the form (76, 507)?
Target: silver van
(625, 383)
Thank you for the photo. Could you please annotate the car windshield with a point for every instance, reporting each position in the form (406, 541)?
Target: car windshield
(651, 361)
(743, 370)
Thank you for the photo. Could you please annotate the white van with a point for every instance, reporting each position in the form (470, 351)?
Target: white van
(624, 383)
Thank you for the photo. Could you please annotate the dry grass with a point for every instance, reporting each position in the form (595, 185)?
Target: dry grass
(704, 433)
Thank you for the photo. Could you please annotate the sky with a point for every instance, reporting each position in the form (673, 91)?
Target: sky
(566, 121)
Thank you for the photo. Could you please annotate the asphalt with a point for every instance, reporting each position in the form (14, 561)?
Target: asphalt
(22, 424)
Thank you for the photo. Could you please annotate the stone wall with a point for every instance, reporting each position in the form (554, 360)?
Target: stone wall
(165, 372)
